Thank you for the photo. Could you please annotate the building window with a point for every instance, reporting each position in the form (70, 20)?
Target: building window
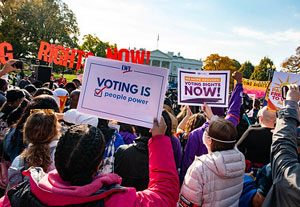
(165, 64)
(174, 71)
(156, 63)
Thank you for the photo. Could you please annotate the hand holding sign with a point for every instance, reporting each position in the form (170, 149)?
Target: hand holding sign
(293, 94)
(207, 111)
(238, 77)
(159, 128)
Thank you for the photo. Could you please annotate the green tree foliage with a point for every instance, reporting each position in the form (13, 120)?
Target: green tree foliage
(217, 62)
(24, 23)
(246, 69)
(292, 64)
(236, 64)
(94, 44)
(264, 71)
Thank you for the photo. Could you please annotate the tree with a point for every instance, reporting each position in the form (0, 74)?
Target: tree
(246, 69)
(236, 64)
(292, 64)
(217, 62)
(24, 23)
(264, 71)
(94, 44)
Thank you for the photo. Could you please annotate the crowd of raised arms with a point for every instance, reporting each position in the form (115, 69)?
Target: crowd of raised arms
(192, 156)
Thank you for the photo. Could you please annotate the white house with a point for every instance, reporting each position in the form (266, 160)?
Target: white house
(173, 62)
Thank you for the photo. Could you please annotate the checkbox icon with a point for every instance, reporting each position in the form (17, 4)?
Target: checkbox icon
(98, 92)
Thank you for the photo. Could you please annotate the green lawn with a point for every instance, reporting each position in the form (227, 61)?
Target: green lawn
(69, 77)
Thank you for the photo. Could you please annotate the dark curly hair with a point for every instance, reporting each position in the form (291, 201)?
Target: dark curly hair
(79, 153)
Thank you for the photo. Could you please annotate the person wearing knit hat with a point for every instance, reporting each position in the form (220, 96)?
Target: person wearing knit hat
(61, 95)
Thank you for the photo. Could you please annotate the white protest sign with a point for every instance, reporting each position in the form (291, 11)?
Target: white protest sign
(122, 91)
(279, 80)
(196, 87)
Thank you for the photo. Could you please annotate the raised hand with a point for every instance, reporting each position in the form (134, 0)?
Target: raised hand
(237, 76)
(159, 128)
(207, 111)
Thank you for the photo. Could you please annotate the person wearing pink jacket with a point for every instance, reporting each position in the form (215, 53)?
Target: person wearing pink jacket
(75, 181)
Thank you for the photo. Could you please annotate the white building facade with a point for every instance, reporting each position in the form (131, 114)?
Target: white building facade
(173, 62)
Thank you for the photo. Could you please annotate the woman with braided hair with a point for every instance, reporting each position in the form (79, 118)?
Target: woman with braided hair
(41, 132)
(76, 181)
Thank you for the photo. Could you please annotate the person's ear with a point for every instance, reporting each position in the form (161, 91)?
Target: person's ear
(209, 141)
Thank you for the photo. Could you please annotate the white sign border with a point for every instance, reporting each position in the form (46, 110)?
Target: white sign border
(90, 61)
(224, 105)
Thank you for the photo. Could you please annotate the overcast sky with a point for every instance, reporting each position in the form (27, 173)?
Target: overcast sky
(241, 29)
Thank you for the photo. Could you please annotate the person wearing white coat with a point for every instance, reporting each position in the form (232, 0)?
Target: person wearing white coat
(216, 178)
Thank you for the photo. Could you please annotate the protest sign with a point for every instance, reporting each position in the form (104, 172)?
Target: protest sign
(61, 55)
(74, 58)
(255, 87)
(126, 92)
(280, 79)
(198, 87)
(6, 52)
(134, 56)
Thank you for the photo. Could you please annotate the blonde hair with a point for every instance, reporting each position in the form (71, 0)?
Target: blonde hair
(41, 128)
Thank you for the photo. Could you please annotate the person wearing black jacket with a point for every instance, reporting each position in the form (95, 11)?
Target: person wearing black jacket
(256, 142)
(285, 164)
(132, 163)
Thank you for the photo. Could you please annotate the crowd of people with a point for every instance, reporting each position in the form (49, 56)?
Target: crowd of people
(192, 156)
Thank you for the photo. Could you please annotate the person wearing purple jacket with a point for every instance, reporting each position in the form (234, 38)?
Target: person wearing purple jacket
(195, 146)
(174, 140)
(128, 133)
